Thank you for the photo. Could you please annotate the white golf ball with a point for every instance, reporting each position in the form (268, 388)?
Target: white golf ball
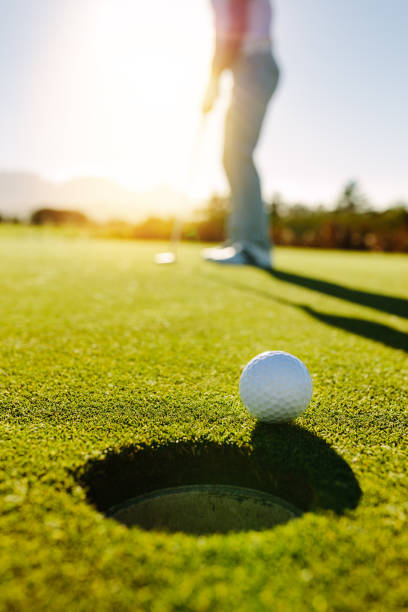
(275, 387)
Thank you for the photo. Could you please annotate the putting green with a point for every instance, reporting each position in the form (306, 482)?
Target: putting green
(119, 377)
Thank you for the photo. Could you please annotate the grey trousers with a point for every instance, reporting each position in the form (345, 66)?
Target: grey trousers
(255, 80)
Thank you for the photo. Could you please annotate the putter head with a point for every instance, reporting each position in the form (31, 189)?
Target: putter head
(165, 258)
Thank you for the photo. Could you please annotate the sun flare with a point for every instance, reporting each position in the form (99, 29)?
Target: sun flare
(141, 76)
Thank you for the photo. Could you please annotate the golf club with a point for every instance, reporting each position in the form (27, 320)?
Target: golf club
(170, 256)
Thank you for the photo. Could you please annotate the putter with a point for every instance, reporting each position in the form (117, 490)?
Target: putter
(170, 256)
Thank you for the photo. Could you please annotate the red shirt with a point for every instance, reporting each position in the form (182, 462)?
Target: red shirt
(245, 21)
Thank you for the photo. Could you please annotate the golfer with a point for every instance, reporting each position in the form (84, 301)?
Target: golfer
(243, 46)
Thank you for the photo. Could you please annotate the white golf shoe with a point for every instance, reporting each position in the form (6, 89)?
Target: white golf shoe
(236, 255)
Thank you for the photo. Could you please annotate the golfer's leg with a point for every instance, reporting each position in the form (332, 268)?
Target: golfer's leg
(254, 82)
(247, 221)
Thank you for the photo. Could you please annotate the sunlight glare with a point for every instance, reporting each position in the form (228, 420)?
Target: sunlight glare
(150, 76)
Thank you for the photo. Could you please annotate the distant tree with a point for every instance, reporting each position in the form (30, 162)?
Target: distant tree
(154, 228)
(52, 216)
(211, 220)
(351, 199)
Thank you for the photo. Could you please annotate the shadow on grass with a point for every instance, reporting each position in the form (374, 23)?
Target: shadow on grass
(384, 303)
(361, 327)
(367, 329)
(284, 460)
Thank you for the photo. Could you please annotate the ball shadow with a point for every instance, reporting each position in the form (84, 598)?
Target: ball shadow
(304, 457)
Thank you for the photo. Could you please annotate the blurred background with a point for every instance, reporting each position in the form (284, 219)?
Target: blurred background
(101, 102)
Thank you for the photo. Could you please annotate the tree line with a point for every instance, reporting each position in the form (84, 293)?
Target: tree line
(350, 223)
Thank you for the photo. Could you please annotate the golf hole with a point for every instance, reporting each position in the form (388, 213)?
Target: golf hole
(204, 509)
(204, 487)
(196, 488)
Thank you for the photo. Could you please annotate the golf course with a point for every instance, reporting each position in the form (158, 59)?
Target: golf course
(119, 377)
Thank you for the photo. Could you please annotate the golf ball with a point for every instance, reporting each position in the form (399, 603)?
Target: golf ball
(275, 387)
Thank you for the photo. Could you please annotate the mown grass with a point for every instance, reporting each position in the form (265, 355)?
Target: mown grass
(116, 373)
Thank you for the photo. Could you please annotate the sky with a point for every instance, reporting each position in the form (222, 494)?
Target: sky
(113, 88)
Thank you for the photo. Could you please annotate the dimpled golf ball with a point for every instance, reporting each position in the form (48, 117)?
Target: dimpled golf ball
(275, 387)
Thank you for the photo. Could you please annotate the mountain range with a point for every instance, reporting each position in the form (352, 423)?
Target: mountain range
(101, 199)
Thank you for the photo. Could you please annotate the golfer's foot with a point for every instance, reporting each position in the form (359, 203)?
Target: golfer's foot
(230, 256)
(214, 252)
(236, 255)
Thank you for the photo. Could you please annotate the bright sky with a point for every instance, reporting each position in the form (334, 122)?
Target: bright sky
(113, 88)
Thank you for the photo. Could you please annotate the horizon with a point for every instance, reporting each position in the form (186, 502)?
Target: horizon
(81, 106)
(103, 200)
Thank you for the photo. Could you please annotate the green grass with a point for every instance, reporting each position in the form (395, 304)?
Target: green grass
(117, 376)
